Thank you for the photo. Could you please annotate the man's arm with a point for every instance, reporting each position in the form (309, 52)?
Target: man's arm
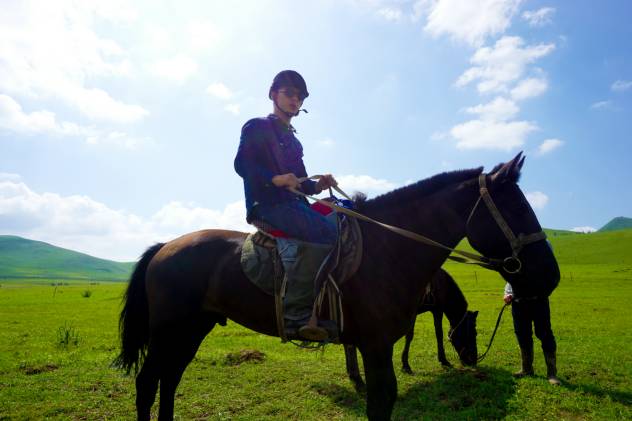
(248, 162)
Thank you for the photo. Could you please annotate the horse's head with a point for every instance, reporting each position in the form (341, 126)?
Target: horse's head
(502, 226)
(463, 338)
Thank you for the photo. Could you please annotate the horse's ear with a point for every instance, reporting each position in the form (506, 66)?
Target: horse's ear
(521, 163)
(510, 170)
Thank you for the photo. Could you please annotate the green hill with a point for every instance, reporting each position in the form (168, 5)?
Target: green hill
(618, 223)
(23, 258)
(611, 247)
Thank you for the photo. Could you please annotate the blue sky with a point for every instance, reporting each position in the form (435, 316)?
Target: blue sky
(119, 121)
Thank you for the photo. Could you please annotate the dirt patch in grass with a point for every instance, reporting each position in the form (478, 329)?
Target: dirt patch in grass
(245, 355)
(37, 369)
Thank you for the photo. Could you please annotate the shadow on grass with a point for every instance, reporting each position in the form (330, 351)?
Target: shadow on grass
(482, 393)
(344, 397)
(619, 396)
(459, 393)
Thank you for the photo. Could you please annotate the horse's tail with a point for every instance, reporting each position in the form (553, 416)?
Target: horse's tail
(134, 319)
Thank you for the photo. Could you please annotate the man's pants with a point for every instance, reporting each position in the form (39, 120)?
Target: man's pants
(299, 221)
(301, 259)
(536, 311)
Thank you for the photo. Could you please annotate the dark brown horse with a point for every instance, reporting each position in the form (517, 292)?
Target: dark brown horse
(180, 290)
(443, 296)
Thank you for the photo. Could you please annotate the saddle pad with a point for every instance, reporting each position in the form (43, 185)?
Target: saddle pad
(257, 261)
(260, 260)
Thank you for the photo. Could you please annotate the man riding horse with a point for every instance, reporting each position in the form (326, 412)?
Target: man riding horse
(270, 160)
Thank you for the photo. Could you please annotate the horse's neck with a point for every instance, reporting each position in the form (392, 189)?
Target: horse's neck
(441, 217)
(455, 304)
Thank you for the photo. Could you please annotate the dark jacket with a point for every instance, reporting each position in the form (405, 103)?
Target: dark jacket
(267, 148)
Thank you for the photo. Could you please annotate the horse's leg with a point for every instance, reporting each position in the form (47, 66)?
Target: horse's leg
(380, 381)
(179, 347)
(438, 325)
(353, 370)
(147, 385)
(409, 338)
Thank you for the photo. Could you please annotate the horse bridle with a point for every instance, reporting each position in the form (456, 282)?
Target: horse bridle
(516, 242)
(453, 329)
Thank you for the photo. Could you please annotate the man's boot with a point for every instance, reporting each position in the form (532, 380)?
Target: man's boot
(527, 363)
(299, 296)
(551, 369)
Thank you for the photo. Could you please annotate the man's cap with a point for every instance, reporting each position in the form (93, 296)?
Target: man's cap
(289, 78)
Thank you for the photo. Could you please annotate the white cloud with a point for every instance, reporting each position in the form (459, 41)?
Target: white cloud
(529, 88)
(222, 92)
(120, 139)
(98, 104)
(601, 105)
(439, 135)
(468, 21)
(390, 13)
(202, 35)
(178, 68)
(500, 109)
(50, 50)
(584, 230)
(7, 176)
(15, 119)
(233, 109)
(83, 224)
(621, 85)
(365, 184)
(493, 135)
(327, 142)
(540, 17)
(549, 145)
(496, 68)
(219, 90)
(537, 199)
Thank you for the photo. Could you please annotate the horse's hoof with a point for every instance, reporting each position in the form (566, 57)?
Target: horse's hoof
(407, 370)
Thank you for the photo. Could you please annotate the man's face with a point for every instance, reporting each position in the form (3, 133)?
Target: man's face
(289, 99)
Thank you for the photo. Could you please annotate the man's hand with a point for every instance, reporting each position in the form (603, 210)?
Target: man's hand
(288, 180)
(325, 182)
(507, 298)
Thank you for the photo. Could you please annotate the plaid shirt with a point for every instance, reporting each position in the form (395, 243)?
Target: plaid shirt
(268, 148)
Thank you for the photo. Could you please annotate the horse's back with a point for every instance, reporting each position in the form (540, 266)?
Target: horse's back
(178, 276)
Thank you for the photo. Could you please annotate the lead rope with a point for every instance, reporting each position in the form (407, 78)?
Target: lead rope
(468, 258)
(479, 359)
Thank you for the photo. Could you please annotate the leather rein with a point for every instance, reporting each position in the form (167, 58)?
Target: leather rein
(516, 242)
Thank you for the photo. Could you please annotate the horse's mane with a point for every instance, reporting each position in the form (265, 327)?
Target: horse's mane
(454, 289)
(416, 190)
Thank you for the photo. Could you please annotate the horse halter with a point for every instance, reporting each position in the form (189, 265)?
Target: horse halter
(511, 264)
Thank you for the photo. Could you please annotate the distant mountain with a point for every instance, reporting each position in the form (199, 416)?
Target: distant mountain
(618, 223)
(23, 258)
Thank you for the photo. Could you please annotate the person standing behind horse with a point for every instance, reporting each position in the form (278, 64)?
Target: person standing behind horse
(270, 161)
(527, 311)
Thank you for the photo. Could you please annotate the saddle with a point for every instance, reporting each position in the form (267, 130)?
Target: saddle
(262, 265)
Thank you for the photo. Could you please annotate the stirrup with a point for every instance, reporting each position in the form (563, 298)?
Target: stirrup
(313, 333)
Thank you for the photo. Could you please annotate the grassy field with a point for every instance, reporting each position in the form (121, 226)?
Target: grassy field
(56, 343)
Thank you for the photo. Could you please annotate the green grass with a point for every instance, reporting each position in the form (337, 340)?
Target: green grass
(39, 378)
